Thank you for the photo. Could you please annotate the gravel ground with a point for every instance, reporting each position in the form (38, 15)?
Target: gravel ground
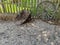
(33, 33)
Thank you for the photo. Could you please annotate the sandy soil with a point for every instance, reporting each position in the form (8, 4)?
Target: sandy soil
(33, 33)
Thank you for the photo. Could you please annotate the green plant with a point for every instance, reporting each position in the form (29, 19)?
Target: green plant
(9, 7)
(57, 15)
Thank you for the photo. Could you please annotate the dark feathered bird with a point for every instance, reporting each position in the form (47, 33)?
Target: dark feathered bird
(26, 15)
(28, 19)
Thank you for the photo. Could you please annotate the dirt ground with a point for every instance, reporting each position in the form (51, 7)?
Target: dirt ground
(33, 33)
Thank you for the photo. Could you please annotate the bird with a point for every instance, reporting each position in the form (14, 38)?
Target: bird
(25, 15)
